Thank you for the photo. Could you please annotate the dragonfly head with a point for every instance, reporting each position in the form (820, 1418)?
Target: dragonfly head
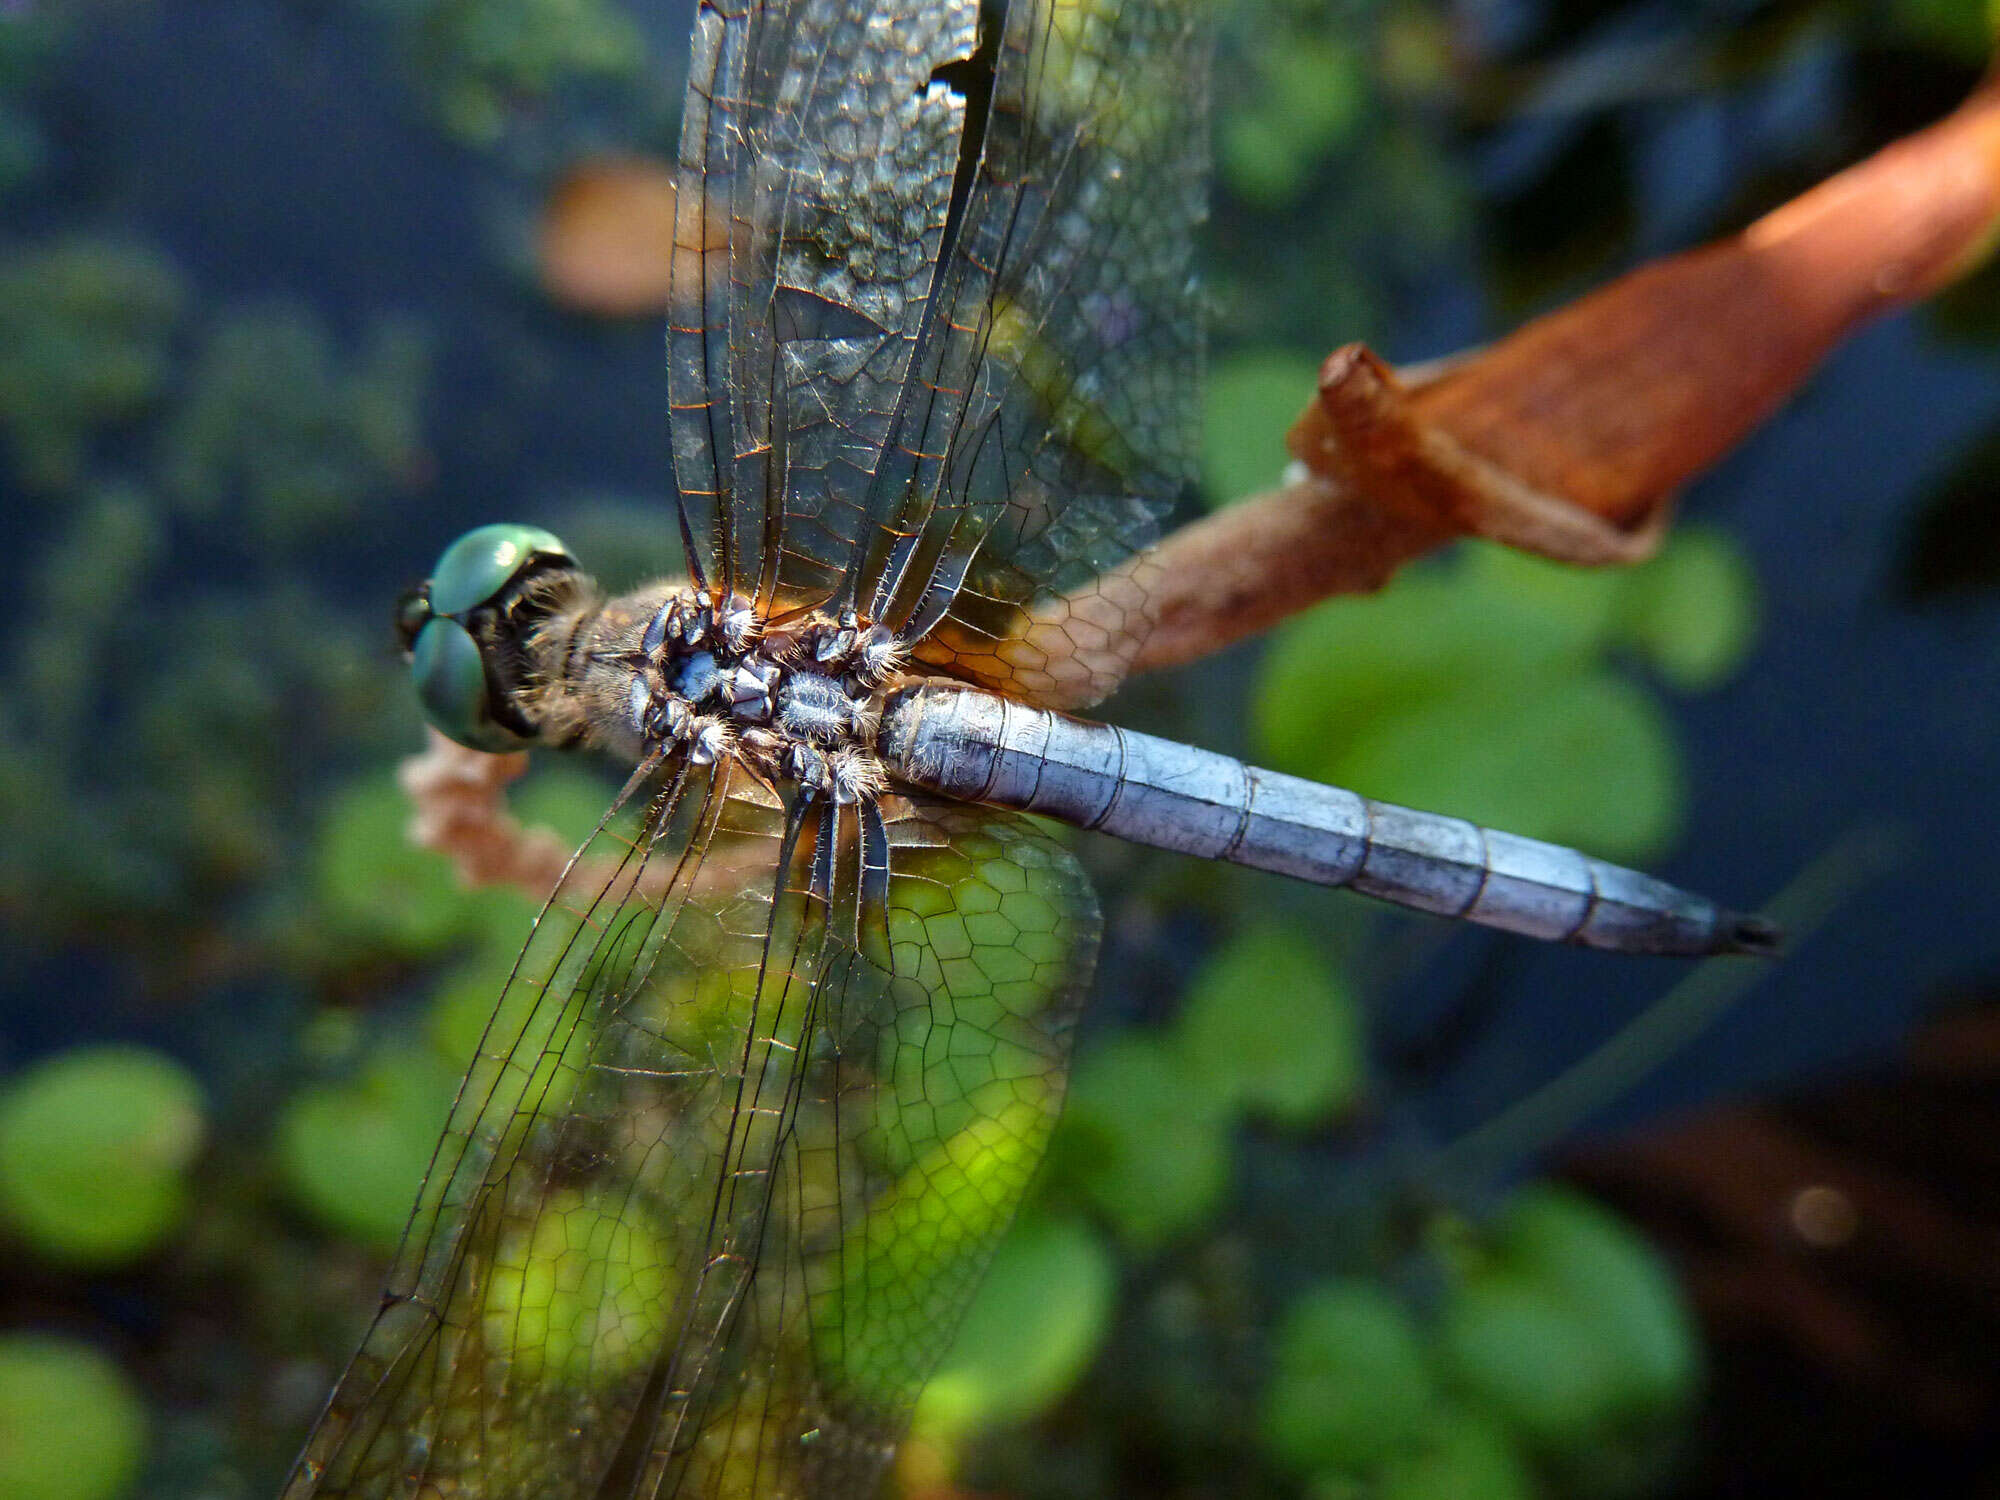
(462, 632)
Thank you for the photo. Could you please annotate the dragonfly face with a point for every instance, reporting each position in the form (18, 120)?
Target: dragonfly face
(785, 1047)
(462, 629)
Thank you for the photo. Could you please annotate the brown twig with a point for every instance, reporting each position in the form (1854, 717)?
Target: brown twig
(459, 806)
(1569, 437)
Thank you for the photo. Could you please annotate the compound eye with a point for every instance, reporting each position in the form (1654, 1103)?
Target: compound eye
(485, 560)
(451, 682)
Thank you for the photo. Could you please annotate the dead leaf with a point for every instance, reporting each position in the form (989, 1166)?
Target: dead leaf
(1570, 436)
(607, 235)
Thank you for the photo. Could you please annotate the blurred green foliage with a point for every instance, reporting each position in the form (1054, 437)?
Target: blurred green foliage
(1310, 100)
(71, 1425)
(375, 891)
(85, 322)
(1146, 1143)
(116, 798)
(28, 43)
(273, 431)
(1334, 191)
(1253, 397)
(1962, 28)
(1568, 1328)
(1560, 1354)
(148, 823)
(1461, 1455)
(1268, 1027)
(351, 1153)
(95, 1146)
(481, 61)
(1350, 1385)
(1488, 685)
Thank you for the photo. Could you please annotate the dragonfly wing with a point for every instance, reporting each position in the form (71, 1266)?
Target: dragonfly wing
(932, 352)
(887, 1154)
(725, 1175)
(1049, 426)
(817, 160)
(474, 1354)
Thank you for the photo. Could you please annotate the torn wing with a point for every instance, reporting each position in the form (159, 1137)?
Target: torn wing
(934, 352)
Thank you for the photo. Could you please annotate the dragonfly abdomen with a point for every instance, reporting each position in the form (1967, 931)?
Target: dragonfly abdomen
(981, 747)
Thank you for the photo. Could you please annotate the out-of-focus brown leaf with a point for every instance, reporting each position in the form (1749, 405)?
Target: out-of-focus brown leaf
(606, 234)
(1620, 397)
(1569, 436)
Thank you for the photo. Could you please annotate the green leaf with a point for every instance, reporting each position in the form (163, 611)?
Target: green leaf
(1638, 1318)
(1580, 604)
(1520, 1350)
(1464, 1456)
(1312, 94)
(1485, 618)
(1034, 1324)
(353, 1154)
(94, 1147)
(379, 893)
(1351, 1385)
(87, 325)
(71, 1425)
(1961, 29)
(1693, 610)
(1143, 1139)
(1269, 1027)
(570, 800)
(1253, 399)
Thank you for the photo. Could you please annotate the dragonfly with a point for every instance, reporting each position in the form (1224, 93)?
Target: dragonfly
(786, 1044)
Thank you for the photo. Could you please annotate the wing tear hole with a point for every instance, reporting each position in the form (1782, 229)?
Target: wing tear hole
(971, 79)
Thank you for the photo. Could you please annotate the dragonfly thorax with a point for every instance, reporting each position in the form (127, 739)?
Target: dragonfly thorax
(798, 702)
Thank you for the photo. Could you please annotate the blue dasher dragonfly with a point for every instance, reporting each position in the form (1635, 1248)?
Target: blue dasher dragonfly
(785, 1047)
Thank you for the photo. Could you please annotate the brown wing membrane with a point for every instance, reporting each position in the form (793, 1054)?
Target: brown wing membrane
(733, 1156)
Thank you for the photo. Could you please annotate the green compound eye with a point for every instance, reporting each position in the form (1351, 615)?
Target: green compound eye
(451, 682)
(445, 661)
(485, 560)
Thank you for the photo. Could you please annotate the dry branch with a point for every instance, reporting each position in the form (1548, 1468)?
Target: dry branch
(1570, 436)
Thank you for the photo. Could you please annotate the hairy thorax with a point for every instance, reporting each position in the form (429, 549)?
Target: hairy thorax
(667, 671)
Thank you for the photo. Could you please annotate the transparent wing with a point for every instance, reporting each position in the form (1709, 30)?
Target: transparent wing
(817, 159)
(1051, 422)
(933, 350)
(736, 1150)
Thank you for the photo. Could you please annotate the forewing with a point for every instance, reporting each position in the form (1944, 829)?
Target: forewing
(817, 159)
(1049, 427)
(720, 1186)
(934, 352)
